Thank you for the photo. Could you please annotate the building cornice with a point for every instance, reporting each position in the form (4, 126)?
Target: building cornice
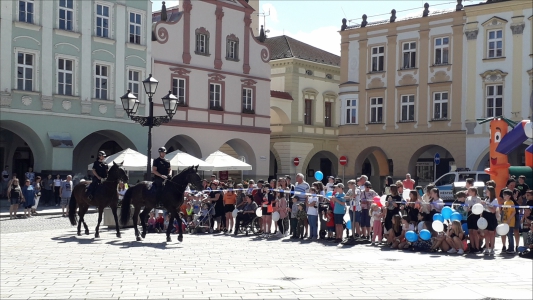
(304, 63)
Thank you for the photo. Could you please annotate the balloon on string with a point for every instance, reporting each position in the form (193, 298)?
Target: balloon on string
(438, 217)
(465, 228)
(377, 200)
(275, 216)
(234, 213)
(349, 225)
(425, 234)
(477, 209)
(319, 175)
(405, 194)
(437, 226)
(482, 223)
(502, 229)
(411, 236)
(456, 217)
(259, 212)
(446, 212)
(329, 194)
(383, 199)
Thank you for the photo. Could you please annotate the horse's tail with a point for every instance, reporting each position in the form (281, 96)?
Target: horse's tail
(72, 209)
(126, 205)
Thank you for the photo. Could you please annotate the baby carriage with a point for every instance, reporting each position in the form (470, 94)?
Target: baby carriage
(202, 222)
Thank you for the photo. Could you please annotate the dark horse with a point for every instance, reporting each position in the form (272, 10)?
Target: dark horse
(105, 195)
(171, 199)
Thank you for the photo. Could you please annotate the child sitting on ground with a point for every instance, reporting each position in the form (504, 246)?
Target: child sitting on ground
(167, 221)
(406, 226)
(302, 217)
(160, 222)
(151, 223)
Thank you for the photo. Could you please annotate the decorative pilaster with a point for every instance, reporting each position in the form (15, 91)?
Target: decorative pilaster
(187, 7)
(471, 34)
(246, 54)
(517, 27)
(119, 111)
(5, 99)
(48, 102)
(218, 40)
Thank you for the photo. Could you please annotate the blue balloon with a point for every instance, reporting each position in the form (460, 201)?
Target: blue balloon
(349, 225)
(329, 194)
(411, 236)
(456, 217)
(319, 175)
(438, 217)
(446, 212)
(425, 234)
(465, 228)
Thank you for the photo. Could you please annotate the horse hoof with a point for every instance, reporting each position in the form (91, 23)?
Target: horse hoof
(139, 239)
(96, 236)
(118, 235)
(169, 239)
(86, 232)
(79, 233)
(143, 235)
(180, 238)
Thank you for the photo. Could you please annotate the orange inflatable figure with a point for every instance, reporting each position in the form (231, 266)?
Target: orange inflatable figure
(499, 165)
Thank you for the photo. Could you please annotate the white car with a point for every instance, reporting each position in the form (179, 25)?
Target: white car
(446, 182)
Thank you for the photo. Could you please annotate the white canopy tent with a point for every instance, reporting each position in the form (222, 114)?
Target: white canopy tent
(133, 160)
(181, 160)
(220, 161)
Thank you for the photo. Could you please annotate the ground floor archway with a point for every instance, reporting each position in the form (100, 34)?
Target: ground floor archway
(423, 168)
(185, 144)
(375, 164)
(240, 150)
(323, 161)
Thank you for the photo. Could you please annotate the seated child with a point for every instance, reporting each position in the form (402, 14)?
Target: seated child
(204, 213)
(167, 221)
(406, 226)
(160, 222)
(151, 223)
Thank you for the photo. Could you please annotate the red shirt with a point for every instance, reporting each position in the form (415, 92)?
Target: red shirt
(160, 220)
(408, 184)
(331, 221)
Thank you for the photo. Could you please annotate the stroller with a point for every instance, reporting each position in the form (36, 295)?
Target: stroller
(202, 222)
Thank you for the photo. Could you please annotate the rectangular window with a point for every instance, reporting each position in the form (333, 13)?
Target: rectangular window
(232, 49)
(247, 103)
(440, 106)
(378, 59)
(351, 112)
(494, 100)
(308, 112)
(441, 51)
(376, 110)
(101, 82)
(327, 114)
(134, 82)
(25, 64)
(135, 28)
(409, 55)
(102, 21)
(65, 76)
(66, 13)
(201, 43)
(495, 43)
(178, 89)
(215, 95)
(26, 11)
(408, 108)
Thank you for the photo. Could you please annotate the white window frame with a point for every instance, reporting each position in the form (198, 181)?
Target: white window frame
(34, 12)
(407, 101)
(351, 109)
(440, 103)
(199, 42)
(374, 110)
(494, 98)
(176, 87)
(100, 77)
(132, 83)
(213, 99)
(494, 40)
(407, 48)
(25, 67)
(110, 28)
(36, 68)
(233, 49)
(66, 9)
(65, 72)
(442, 47)
(247, 98)
(376, 57)
(141, 26)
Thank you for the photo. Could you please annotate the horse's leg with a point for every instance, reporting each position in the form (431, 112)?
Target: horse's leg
(135, 219)
(143, 215)
(114, 210)
(80, 215)
(180, 226)
(100, 212)
(82, 210)
(169, 227)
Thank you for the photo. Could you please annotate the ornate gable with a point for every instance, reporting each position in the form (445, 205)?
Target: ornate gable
(493, 76)
(494, 22)
(180, 71)
(216, 76)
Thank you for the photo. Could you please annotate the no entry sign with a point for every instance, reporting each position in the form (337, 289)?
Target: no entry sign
(296, 161)
(343, 160)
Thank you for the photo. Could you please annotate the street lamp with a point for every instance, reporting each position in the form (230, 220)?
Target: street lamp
(130, 104)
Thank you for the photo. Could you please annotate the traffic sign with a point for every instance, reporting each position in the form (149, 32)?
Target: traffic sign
(296, 161)
(436, 158)
(343, 160)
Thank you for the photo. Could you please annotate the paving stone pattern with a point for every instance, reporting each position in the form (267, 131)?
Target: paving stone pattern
(43, 259)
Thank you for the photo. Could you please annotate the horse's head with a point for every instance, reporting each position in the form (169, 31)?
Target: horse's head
(189, 176)
(117, 172)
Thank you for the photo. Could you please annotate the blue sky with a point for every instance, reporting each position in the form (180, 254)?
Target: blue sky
(317, 22)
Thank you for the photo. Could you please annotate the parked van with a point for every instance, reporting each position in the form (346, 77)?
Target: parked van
(446, 182)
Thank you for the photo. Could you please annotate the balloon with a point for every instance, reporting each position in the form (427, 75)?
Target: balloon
(456, 217)
(446, 212)
(405, 194)
(465, 228)
(259, 212)
(438, 217)
(437, 226)
(275, 216)
(425, 234)
(411, 236)
(383, 199)
(319, 175)
(502, 229)
(482, 223)
(234, 213)
(377, 200)
(477, 209)
(329, 194)
(349, 225)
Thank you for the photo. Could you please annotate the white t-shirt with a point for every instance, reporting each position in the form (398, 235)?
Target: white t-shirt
(57, 182)
(329, 187)
(356, 201)
(312, 210)
(437, 205)
(490, 204)
(470, 201)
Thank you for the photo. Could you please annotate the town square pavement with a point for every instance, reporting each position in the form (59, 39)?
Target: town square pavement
(42, 258)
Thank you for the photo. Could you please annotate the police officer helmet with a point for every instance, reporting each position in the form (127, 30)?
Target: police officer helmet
(101, 153)
(163, 149)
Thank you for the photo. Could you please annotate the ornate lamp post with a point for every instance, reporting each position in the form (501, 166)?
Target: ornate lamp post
(131, 104)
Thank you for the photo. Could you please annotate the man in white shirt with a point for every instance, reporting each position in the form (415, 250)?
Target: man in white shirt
(312, 214)
(362, 181)
(354, 196)
(301, 188)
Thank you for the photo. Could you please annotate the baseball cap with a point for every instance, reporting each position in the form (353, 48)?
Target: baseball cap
(368, 184)
(339, 185)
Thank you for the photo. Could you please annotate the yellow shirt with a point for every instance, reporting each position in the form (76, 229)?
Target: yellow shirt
(508, 213)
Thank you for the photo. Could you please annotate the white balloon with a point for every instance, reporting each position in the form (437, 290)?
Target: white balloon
(477, 209)
(259, 212)
(275, 216)
(405, 194)
(502, 229)
(437, 226)
(383, 199)
(482, 223)
(234, 213)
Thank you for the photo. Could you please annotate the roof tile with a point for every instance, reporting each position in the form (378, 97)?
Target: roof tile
(287, 47)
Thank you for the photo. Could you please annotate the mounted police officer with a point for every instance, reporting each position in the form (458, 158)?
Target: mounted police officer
(161, 170)
(100, 169)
